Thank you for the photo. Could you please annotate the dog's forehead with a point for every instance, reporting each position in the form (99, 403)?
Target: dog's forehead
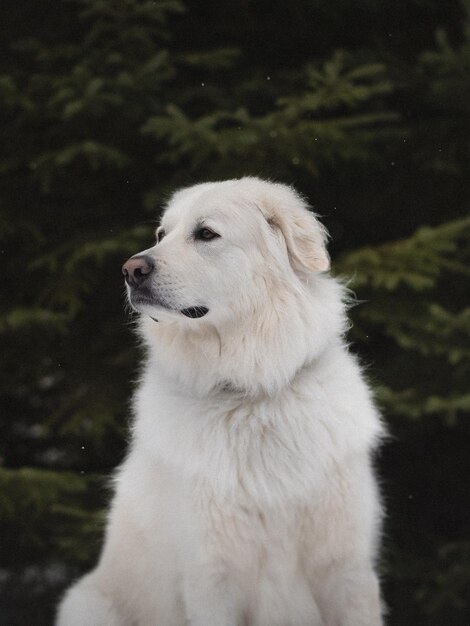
(208, 201)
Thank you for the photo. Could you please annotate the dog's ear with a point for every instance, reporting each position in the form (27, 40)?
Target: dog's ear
(305, 238)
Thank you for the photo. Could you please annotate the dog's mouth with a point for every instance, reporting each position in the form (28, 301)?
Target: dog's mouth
(195, 311)
(145, 298)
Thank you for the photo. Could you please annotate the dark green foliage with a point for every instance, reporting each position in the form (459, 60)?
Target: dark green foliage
(108, 106)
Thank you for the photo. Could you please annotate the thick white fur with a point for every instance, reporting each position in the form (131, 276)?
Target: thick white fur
(247, 497)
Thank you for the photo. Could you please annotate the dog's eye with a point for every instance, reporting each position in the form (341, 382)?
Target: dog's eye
(205, 234)
(160, 234)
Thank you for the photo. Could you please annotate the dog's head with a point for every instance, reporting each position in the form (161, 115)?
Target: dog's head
(237, 282)
(225, 249)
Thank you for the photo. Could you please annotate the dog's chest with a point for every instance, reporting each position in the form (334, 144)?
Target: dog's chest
(263, 454)
(247, 538)
(254, 553)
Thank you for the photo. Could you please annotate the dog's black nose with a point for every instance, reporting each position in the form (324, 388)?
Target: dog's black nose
(137, 269)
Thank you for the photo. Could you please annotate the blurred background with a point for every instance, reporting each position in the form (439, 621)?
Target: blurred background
(108, 106)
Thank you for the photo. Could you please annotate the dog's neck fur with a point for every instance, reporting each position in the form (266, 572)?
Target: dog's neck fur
(254, 356)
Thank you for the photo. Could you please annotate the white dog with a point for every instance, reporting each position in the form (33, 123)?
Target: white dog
(247, 497)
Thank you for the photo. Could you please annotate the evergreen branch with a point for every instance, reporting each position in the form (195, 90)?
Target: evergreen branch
(411, 404)
(416, 262)
(20, 318)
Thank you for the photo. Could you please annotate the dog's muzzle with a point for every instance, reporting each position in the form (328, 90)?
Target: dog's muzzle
(137, 273)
